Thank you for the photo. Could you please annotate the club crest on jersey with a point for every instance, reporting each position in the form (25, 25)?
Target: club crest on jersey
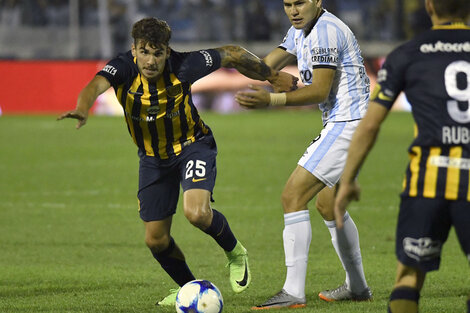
(174, 90)
(154, 109)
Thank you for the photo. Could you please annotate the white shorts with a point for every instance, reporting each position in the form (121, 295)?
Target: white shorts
(326, 156)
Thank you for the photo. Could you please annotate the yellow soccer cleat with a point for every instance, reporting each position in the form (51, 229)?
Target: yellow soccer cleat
(240, 276)
(169, 300)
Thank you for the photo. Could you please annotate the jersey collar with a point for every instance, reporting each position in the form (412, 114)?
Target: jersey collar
(308, 28)
(452, 25)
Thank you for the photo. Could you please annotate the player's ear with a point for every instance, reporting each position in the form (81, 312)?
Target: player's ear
(133, 50)
(168, 51)
(429, 5)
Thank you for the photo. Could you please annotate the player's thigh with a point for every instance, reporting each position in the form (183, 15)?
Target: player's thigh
(326, 156)
(422, 229)
(158, 192)
(460, 212)
(158, 201)
(197, 166)
(198, 173)
(300, 188)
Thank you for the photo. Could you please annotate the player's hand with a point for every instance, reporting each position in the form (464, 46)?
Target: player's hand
(257, 98)
(347, 192)
(82, 117)
(284, 82)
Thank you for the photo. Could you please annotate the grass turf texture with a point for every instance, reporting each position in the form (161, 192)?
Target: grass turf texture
(71, 239)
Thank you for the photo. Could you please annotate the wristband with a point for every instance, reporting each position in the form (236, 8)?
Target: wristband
(277, 99)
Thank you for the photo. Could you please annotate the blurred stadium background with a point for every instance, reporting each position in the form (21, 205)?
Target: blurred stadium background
(70, 236)
(55, 46)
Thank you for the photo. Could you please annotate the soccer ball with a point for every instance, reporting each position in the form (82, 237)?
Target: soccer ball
(199, 296)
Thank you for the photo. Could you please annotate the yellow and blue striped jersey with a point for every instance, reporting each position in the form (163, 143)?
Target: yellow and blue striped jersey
(433, 70)
(161, 116)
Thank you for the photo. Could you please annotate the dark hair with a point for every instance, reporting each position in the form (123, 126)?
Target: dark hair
(452, 8)
(152, 30)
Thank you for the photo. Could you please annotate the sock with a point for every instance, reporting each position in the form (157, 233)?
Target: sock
(221, 232)
(297, 236)
(346, 244)
(173, 262)
(404, 299)
(468, 305)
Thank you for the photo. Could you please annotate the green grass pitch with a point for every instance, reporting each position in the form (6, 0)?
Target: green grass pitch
(71, 239)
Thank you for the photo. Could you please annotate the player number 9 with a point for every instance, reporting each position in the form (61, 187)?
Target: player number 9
(463, 95)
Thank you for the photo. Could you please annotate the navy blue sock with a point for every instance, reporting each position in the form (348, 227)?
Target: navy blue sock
(468, 306)
(221, 232)
(173, 262)
(403, 299)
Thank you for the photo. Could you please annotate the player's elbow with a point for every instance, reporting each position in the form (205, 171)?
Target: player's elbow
(228, 54)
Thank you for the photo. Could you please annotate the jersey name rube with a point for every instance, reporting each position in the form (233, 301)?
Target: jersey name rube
(455, 135)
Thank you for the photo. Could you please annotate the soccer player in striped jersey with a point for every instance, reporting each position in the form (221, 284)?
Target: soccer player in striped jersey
(433, 70)
(153, 84)
(331, 67)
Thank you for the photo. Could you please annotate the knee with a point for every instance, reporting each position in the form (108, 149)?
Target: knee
(288, 201)
(293, 201)
(157, 243)
(199, 217)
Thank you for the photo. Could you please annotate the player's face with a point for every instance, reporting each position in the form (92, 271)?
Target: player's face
(300, 12)
(150, 59)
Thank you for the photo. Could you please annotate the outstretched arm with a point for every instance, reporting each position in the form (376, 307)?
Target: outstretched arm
(253, 67)
(279, 58)
(317, 92)
(85, 100)
(362, 142)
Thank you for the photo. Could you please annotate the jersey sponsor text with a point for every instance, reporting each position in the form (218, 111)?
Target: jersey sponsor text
(207, 57)
(324, 59)
(110, 69)
(445, 47)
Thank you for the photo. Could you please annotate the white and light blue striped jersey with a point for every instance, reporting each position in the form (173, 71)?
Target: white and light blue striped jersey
(332, 44)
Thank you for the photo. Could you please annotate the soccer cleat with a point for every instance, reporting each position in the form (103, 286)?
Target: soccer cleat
(240, 276)
(169, 300)
(343, 294)
(282, 300)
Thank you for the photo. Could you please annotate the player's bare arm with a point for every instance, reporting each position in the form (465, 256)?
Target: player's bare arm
(253, 67)
(362, 142)
(278, 59)
(315, 93)
(86, 99)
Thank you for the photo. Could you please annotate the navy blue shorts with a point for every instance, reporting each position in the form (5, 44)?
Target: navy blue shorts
(159, 180)
(423, 227)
